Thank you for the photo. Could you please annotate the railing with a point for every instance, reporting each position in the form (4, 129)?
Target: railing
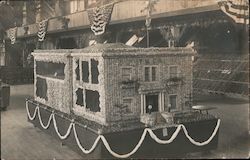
(222, 73)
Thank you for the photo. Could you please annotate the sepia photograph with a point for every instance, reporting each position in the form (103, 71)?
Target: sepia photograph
(124, 79)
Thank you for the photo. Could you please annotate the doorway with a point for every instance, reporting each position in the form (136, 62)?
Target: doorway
(153, 101)
(173, 101)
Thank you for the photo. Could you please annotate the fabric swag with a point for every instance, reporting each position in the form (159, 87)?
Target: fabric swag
(42, 29)
(99, 17)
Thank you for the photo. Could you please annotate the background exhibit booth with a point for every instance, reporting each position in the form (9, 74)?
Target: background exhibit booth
(113, 100)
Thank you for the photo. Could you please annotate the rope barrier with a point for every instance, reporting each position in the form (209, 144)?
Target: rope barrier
(105, 142)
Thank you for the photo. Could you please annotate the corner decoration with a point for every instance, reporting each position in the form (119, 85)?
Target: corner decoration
(42, 29)
(99, 17)
(238, 10)
(105, 142)
(11, 33)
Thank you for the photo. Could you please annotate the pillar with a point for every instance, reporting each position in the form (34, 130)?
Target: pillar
(24, 13)
(38, 10)
(58, 9)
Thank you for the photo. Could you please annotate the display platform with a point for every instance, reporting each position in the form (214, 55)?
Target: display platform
(95, 141)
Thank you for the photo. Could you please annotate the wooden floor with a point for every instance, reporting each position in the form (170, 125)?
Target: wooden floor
(20, 140)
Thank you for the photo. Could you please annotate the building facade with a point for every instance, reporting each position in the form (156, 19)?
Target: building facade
(114, 83)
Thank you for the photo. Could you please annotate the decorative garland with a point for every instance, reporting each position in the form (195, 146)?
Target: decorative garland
(238, 10)
(106, 144)
(99, 17)
(57, 131)
(12, 34)
(42, 29)
(40, 119)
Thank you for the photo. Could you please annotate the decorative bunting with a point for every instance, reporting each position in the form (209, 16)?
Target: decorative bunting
(42, 29)
(11, 33)
(99, 17)
(238, 10)
(105, 142)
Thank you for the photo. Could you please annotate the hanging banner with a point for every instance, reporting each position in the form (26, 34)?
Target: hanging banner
(238, 10)
(42, 29)
(99, 17)
(11, 33)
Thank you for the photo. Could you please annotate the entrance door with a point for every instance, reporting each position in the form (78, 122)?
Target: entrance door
(153, 101)
(172, 100)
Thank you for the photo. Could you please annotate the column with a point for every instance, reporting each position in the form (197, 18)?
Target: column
(38, 10)
(142, 103)
(58, 8)
(162, 102)
(24, 13)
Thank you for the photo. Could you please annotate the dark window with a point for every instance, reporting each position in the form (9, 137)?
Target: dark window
(173, 70)
(146, 74)
(77, 70)
(41, 88)
(126, 73)
(172, 101)
(85, 71)
(94, 71)
(55, 70)
(92, 100)
(128, 102)
(153, 73)
(79, 96)
(150, 74)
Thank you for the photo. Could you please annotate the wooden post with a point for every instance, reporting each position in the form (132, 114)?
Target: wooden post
(58, 8)
(24, 13)
(38, 11)
(147, 38)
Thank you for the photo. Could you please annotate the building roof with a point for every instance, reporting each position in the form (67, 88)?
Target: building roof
(120, 49)
(117, 50)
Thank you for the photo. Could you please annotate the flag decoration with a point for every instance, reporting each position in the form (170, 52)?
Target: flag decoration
(99, 17)
(11, 33)
(42, 29)
(238, 10)
(149, 9)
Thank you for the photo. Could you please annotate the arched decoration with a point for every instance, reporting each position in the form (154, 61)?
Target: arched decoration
(238, 10)
(101, 137)
(99, 17)
(11, 33)
(42, 29)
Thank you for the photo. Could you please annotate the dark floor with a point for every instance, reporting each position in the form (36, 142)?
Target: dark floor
(20, 140)
(234, 129)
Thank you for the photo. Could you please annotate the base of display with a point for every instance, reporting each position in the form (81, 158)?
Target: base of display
(125, 141)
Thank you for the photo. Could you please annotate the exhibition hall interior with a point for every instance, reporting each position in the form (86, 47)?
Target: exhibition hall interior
(121, 79)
